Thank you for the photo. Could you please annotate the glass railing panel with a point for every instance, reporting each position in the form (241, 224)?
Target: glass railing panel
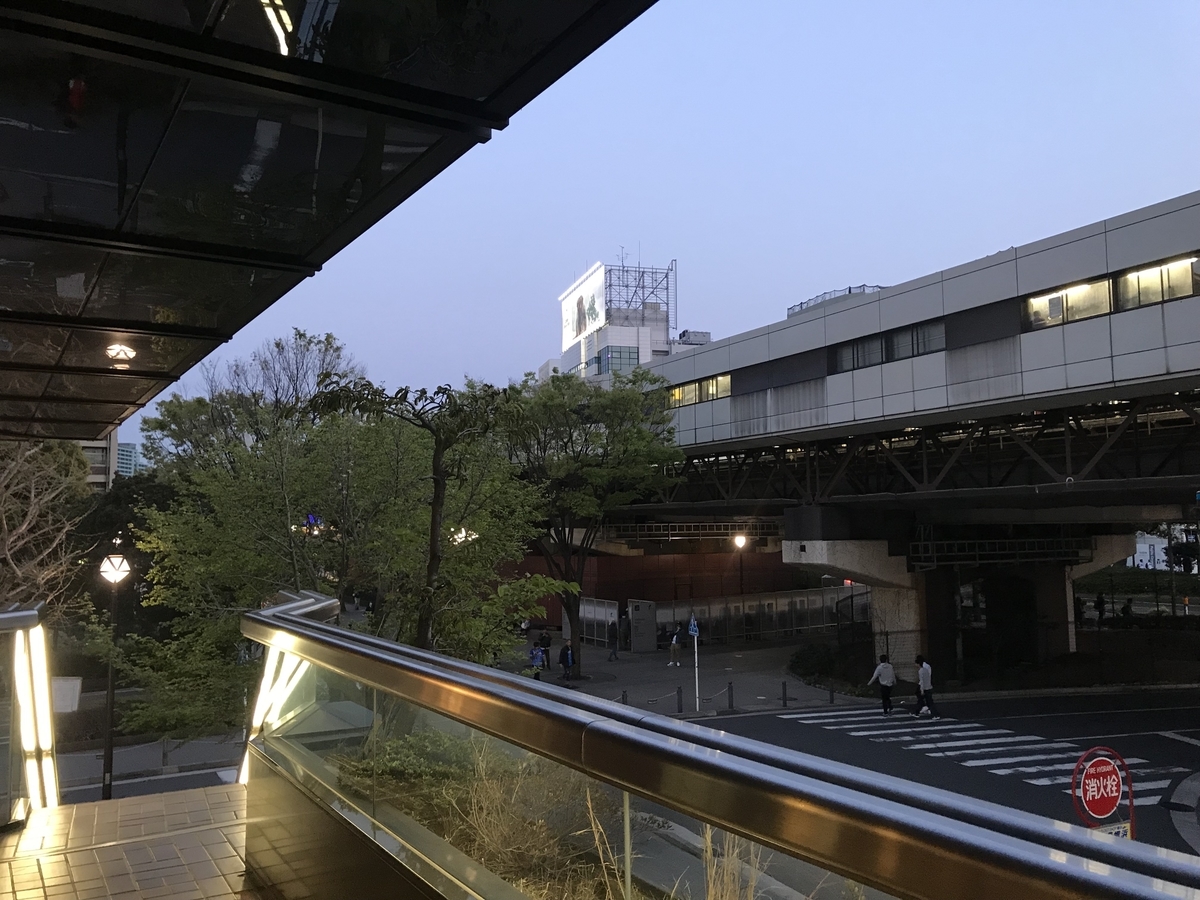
(483, 817)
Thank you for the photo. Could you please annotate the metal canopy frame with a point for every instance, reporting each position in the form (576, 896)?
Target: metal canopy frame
(451, 125)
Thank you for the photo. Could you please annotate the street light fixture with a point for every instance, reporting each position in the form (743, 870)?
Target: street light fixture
(739, 541)
(114, 568)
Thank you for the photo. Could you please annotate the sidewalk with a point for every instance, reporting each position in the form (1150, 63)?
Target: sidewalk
(757, 673)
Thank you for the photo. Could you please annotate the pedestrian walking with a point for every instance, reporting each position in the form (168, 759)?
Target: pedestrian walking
(886, 676)
(612, 641)
(537, 657)
(566, 659)
(673, 647)
(925, 688)
(1099, 607)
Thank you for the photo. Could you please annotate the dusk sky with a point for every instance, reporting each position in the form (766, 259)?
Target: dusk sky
(805, 147)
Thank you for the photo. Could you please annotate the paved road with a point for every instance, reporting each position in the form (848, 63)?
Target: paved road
(1017, 752)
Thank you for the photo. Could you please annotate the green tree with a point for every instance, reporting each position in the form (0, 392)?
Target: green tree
(590, 450)
(479, 515)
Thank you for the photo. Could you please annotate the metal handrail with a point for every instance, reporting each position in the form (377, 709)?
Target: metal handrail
(906, 839)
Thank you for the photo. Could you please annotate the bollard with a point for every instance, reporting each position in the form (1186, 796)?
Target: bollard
(731, 696)
(785, 695)
(625, 697)
(679, 699)
(831, 695)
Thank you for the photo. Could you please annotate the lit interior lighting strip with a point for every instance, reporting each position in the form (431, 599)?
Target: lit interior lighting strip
(33, 780)
(1166, 265)
(43, 711)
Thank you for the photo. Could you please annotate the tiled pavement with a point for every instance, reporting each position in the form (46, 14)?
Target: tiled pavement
(188, 845)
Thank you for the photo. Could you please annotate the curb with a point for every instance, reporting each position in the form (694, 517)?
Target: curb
(1096, 690)
(151, 773)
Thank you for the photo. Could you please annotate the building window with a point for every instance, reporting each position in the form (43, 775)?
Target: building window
(1166, 282)
(616, 359)
(902, 343)
(700, 391)
(1081, 301)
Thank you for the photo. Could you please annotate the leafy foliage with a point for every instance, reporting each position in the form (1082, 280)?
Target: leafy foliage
(590, 451)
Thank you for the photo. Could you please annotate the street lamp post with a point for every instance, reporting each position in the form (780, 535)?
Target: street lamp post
(113, 569)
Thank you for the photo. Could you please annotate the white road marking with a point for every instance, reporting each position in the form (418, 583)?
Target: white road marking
(1016, 738)
(1179, 737)
(1004, 760)
(919, 728)
(1059, 767)
(1045, 745)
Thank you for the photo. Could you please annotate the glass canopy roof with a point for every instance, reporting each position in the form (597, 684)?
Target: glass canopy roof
(170, 168)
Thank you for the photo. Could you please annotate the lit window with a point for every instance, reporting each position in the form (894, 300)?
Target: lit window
(688, 394)
(1081, 301)
(723, 385)
(1166, 282)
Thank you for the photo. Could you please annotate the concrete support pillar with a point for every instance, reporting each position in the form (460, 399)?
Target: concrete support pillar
(1055, 611)
(900, 619)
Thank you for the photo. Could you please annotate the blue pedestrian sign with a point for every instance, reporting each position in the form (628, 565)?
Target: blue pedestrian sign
(693, 628)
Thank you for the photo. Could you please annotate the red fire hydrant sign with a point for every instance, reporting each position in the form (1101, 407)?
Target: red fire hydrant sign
(1100, 783)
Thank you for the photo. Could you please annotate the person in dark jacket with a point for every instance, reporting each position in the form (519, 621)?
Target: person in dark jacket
(612, 641)
(566, 659)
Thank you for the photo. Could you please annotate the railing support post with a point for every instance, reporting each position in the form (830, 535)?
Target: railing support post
(785, 694)
(731, 696)
(625, 697)
(679, 699)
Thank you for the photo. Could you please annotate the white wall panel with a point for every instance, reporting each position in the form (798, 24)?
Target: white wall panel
(988, 285)
(930, 398)
(929, 371)
(1042, 381)
(897, 377)
(796, 338)
(1183, 358)
(868, 383)
(1087, 340)
(1095, 371)
(1182, 320)
(852, 323)
(839, 388)
(720, 411)
(916, 305)
(704, 414)
(1042, 349)
(1153, 239)
(898, 404)
(748, 352)
(868, 409)
(1060, 266)
(841, 412)
(1145, 364)
(1136, 330)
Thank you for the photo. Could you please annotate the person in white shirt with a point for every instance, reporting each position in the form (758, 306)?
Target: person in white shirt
(925, 688)
(886, 676)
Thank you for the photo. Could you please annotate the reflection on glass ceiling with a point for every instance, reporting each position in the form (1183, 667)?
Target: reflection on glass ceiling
(170, 168)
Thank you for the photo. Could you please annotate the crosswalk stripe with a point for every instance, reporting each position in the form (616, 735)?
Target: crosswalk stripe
(1004, 760)
(1058, 767)
(1045, 745)
(839, 714)
(1147, 801)
(1142, 786)
(912, 728)
(919, 736)
(935, 745)
(863, 722)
